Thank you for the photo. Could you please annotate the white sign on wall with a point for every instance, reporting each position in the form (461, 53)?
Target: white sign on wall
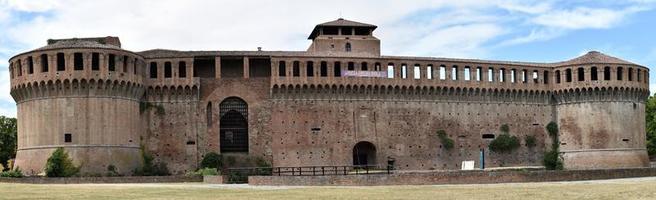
(375, 74)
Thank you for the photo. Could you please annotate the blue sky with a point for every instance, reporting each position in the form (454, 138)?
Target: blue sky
(526, 30)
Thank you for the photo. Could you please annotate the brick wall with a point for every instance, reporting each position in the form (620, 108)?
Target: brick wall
(127, 179)
(456, 177)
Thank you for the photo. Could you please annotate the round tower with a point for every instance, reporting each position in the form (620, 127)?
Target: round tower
(82, 95)
(600, 109)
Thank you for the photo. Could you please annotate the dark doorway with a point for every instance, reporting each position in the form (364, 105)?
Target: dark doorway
(233, 126)
(364, 153)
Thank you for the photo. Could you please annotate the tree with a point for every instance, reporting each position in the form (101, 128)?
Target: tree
(8, 135)
(650, 113)
(505, 142)
(446, 141)
(60, 165)
(552, 159)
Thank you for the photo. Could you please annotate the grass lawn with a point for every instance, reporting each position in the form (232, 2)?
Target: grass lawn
(636, 188)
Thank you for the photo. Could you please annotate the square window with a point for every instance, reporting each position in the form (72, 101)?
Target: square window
(68, 138)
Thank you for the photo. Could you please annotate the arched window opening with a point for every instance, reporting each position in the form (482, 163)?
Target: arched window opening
(167, 70)
(620, 73)
(442, 72)
(337, 69)
(546, 77)
(581, 74)
(30, 66)
(557, 76)
(637, 76)
(363, 66)
(182, 69)
(61, 62)
(112, 62)
(535, 76)
(524, 76)
(95, 61)
(467, 73)
(296, 69)
(134, 66)
(20, 68)
(351, 66)
(593, 74)
(153, 70)
(208, 112)
(233, 124)
(44, 63)
(454, 73)
(568, 75)
(282, 69)
(490, 74)
(323, 71)
(404, 71)
(479, 73)
(364, 154)
(377, 67)
(348, 47)
(125, 64)
(502, 75)
(512, 75)
(607, 73)
(630, 74)
(309, 69)
(417, 72)
(429, 72)
(78, 61)
(390, 70)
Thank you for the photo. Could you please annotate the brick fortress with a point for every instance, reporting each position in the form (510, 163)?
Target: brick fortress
(340, 102)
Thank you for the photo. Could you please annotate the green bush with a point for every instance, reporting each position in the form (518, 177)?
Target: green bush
(447, 142)
(230, 161)
(204, 172)
(144, 106)
(260, 162)
(552, 129)
(504, 143)
(505, 128)
(212, 160)
(60, 165)
(552, 159)
(237, 177)
(151, 168)
(16, 173)
(111, 171)
(530, 141)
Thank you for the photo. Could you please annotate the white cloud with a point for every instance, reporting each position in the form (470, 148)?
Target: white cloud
(580, 18)
(32, 5)
(538, 34)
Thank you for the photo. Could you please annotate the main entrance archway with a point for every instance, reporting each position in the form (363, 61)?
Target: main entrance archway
(364, 153)
(233, 125)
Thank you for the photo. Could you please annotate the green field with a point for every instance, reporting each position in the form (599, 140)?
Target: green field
(637, 188)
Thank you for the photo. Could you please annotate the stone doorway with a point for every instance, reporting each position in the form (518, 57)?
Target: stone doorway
(364, 153)
(233, 125)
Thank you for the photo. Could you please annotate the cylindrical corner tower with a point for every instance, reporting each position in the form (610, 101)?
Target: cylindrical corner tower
(82, 95)
(600, 106)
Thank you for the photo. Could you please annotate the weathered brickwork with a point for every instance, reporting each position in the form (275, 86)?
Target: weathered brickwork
(338, 103)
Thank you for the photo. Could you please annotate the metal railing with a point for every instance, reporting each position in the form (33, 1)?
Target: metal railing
(240, 175)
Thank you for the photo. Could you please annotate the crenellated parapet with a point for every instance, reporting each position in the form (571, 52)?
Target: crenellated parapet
(403, 93)
(77, 88)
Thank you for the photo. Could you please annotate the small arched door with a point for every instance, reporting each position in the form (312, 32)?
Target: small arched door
(364, 153)
(233, 126)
